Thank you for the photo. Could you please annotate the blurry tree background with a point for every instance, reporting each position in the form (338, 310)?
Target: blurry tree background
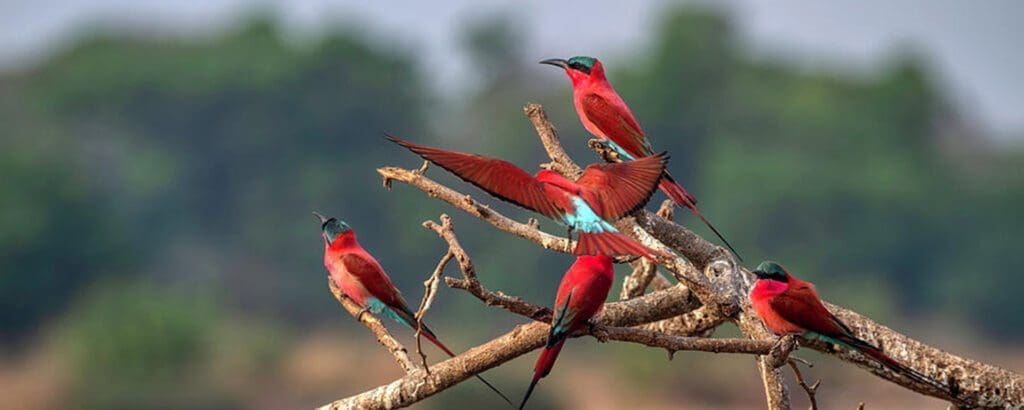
(155, 235)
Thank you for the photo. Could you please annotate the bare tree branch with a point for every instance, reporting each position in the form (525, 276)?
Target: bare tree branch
(713, 289)
(724, 295)
(659, 305)
(810, 390)
(429, 292)
(397, 350)
(415, 387)
(616, 318)
(471, 284)
(635, 284)
(678, 343)
(700, 322)
(474, 208)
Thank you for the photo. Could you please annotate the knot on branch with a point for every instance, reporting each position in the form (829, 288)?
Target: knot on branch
(708, 277)
(778, 356)
(719, 269)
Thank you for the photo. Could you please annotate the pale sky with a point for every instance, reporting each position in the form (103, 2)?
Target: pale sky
(975, 45)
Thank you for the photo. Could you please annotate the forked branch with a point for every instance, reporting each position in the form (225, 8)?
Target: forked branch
(712, 290)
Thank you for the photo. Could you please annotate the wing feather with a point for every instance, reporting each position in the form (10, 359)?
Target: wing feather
(619, 126)
(499, 178)
(623, 187)
(371, 275)
(801, 306)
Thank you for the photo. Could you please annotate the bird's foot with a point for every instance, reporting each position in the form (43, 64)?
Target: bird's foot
(609, 150)
(533, 223)
(359, 315)
(599, 331)
(605, 149)
(422, 168)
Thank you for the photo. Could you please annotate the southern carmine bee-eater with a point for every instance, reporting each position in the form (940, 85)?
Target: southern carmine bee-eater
(360, 276)
(605, 115)
(605, 192)
(788, 305)
(580, 297)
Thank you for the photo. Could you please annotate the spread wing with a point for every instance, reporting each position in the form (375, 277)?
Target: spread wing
(623, 187)
(617, 124)
(370, 274)
(500, 178)
(801, 306)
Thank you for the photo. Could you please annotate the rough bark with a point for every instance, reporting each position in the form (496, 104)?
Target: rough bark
(712, 290)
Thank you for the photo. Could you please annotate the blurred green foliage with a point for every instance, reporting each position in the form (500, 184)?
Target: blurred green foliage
(198, 162)
(131, 341)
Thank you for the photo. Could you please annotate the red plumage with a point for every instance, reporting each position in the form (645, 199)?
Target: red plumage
(546, 361)
(610, 243)
(793, 307)
(788, 305)
(609, 190)
(605, 115)
(580, 297)
(358, 274)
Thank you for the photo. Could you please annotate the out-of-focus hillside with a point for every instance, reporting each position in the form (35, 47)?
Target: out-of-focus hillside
(155, 234)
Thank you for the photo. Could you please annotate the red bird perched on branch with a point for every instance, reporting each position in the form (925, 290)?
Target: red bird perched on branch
(360, 276)
(605, 192)
(788, 305)
(580, 297)
(605, 115)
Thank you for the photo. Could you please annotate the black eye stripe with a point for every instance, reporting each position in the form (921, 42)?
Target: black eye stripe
(576, 65)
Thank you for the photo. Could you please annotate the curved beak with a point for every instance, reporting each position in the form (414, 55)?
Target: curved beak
(322, 218)
(760, 274)
(557, 62)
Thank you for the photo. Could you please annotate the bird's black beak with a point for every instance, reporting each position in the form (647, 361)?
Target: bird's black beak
(557, 62)
(760, 274)
(323, 219)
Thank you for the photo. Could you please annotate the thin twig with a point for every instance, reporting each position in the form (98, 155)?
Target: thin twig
(617, 319)
(635, 284)
(707, 273)
(810, 390)
(429, 292)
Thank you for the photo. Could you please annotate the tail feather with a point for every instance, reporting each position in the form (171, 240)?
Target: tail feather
(543, 367)
(433, 339)
(429, 335)
(881, 358)
(610, 243)
(678, 194)
(719, 235)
